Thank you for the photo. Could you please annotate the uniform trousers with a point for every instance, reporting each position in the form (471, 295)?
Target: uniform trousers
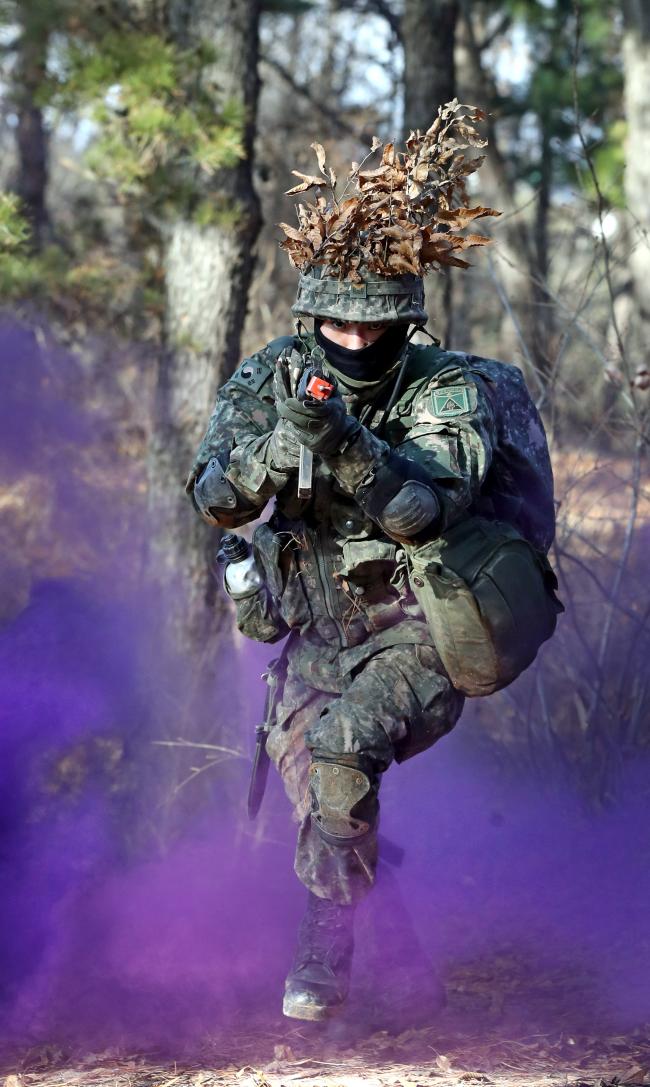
(395, 703)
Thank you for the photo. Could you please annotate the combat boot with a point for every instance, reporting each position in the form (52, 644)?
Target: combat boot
(320, 976)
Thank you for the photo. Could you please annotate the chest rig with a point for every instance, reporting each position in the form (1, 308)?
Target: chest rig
(353, 578)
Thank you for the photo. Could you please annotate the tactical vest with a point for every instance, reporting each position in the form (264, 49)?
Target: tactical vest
(484, 586)
(519, 486)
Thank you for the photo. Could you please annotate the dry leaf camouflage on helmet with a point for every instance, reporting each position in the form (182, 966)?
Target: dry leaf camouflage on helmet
(404, 216)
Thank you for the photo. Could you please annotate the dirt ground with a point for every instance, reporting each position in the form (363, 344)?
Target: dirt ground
(417, 1057)
(460, 1047)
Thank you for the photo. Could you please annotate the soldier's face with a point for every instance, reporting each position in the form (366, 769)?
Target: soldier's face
(353, 335)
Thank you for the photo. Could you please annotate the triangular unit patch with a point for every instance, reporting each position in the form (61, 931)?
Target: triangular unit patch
(450, 400)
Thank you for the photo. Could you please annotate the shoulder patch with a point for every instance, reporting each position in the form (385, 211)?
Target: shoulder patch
(451, 400)
(251, 375)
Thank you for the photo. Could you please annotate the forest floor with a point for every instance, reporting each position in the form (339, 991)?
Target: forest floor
(460, 1048)
(415, 1058)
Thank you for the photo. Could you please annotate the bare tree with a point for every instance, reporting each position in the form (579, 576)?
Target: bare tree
(514, 249)
(428, 34)
(207, 275)
(636, 61)
(31, 137)
(428, 30)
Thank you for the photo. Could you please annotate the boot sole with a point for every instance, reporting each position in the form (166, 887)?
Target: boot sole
(298, 1009)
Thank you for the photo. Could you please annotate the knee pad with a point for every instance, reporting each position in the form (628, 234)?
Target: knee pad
(343, 801)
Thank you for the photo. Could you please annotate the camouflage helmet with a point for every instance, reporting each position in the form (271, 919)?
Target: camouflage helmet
(394, 299)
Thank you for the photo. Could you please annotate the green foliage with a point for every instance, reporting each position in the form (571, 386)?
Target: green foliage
(14, 229)
(37, 19)
(21, 274)
(566, 67)
(26, 275)
(99, 285)
(94, 282)
(215, 210)
(609, 163)
(141, 64)
(162, 131)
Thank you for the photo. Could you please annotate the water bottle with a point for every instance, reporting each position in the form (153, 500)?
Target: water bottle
(241, 574)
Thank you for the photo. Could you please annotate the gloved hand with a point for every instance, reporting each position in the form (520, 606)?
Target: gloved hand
(283, 450)
(322, 427)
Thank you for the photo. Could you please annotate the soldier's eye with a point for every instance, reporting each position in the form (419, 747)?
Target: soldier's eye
(376, 324)
(339, 324)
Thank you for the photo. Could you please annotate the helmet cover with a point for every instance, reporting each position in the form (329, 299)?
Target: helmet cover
(394, 300)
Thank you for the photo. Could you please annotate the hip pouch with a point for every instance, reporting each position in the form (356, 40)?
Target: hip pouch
(489, 599)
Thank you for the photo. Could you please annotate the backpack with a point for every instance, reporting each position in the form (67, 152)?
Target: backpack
(489, 599)
(485, 585)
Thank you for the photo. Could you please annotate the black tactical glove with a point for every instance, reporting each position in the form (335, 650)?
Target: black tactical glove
(283, 450)
(323, 427)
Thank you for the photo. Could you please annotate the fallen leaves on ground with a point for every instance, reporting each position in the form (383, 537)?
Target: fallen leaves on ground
(302, 1055)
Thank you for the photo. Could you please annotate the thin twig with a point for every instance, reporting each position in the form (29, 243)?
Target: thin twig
(639, 620)
(505, 302)
(594, 177)
(331, 115)
(618, 578)
(190, 743)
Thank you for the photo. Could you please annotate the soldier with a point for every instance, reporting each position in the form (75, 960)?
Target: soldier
(412, 441)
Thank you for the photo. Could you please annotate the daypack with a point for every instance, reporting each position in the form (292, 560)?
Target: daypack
(485, 585)
(489, 599)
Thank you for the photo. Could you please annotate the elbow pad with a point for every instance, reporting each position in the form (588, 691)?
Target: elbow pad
(400, 497)
(216, 499)
(414, 508)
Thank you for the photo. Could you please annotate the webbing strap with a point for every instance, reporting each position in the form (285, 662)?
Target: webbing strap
(338, 288)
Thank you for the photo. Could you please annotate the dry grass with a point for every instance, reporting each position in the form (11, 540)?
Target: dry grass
(287, 1055)
(481, 1038)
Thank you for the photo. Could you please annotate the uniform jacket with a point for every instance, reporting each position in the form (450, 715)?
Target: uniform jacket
(331, 572)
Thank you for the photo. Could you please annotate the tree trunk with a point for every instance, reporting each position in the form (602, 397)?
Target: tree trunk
(428, 34)
(636, 62)
(512, 254)
(207, 275)
(31, 137)
(428, 31)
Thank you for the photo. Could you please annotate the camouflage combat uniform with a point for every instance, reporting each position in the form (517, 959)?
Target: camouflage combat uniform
(361, 682)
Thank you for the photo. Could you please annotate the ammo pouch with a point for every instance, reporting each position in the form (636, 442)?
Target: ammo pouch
(488, 597)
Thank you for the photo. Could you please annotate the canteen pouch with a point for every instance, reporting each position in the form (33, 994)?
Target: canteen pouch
(489, 599)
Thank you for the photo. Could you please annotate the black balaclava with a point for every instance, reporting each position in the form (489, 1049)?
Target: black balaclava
(367, 363)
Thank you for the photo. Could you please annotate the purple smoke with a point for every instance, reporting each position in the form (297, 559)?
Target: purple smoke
(104, 938)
